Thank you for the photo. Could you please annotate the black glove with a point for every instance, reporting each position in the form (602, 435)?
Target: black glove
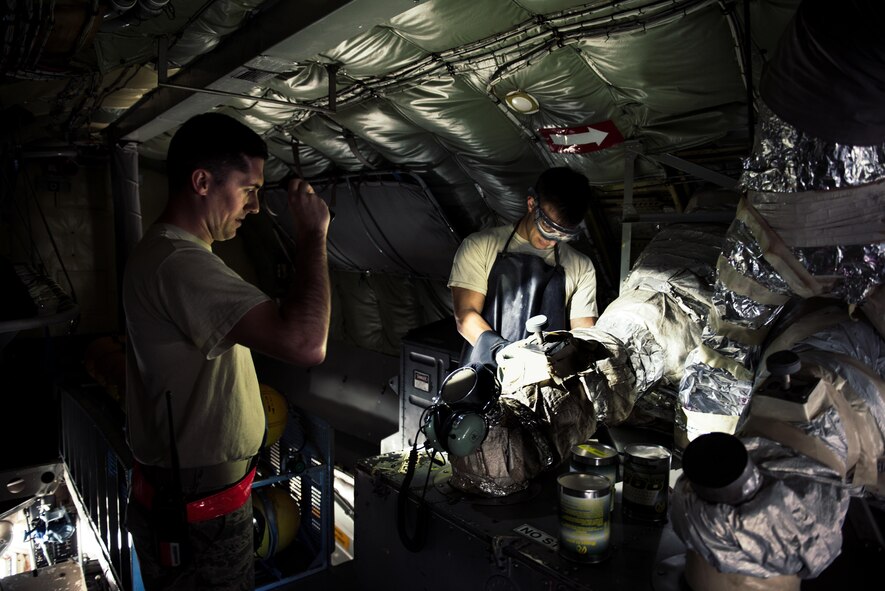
(487, 346)
(568, 355)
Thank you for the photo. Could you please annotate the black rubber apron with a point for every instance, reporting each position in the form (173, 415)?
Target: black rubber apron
(521, 286)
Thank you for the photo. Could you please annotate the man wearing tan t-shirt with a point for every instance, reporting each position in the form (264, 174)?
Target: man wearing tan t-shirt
(191, 323)
(505, 275)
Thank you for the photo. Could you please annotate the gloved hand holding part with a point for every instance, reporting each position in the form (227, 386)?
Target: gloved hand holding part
(486, 349)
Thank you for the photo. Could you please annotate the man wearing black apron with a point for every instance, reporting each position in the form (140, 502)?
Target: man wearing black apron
(503, 276)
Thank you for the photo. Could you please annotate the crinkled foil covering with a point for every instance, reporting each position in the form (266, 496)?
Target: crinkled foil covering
(655, 409)
(741, 310)
(740, 352)
(861, 342)
(664, 302)
(827, 427)
(860, 267)
(744, 254)
(793, 524)
(786, 160)
(711, 390)
(514, 451)
(565, 415)
(609, 384)
(706, 389)
(646, 354)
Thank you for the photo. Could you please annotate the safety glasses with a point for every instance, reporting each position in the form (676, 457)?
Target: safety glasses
(549, 229)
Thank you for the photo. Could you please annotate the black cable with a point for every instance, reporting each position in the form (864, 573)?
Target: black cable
(414, 542)
(398, 257)
(51, 237)
(293, 411)
(29, 247)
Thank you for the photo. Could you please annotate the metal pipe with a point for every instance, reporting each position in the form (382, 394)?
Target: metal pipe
(147, 9)
(127, 206)
(50, 153)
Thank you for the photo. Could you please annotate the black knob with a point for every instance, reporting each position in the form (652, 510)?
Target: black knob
(783, 363)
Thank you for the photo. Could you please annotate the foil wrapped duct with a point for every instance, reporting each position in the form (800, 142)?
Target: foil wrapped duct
(744, 254)
(810, 468)
(848, 354)
(787, 160)
(714, 390)
(836, 236)
(860, 267)
(664, 301)
(609, 384)
(782, 246)
(852, 340)
(791, 526)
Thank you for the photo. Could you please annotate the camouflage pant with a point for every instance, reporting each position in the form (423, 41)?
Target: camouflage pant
(222, 552)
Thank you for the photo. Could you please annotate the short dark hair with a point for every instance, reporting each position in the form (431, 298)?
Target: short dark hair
(567, 191)
(213, 141)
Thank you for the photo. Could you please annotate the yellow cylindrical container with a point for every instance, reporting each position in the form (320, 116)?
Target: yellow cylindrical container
(276, 413)
(277, 519)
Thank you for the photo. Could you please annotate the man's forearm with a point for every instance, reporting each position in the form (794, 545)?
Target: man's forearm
(309, 298)
(471, 325)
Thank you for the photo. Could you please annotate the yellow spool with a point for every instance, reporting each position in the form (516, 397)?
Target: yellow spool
(277, 518)
(276, 413)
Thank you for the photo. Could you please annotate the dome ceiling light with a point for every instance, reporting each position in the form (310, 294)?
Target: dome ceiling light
(522, 102)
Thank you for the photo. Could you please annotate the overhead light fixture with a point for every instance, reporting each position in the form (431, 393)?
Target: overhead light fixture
(522, 102)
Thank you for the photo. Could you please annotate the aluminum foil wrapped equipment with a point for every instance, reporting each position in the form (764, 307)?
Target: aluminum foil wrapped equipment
(811, 225)
(812, 455)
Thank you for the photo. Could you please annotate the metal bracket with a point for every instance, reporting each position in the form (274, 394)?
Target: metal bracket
(697, 170)
(629, 214)
(163, 76)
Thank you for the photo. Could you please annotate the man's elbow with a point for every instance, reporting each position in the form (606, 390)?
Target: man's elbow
(315, 356)
(305, 354)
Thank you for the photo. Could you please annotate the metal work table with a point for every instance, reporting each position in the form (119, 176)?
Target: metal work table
(495, 544)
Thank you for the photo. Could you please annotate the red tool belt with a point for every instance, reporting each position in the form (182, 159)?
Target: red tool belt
(215, 505)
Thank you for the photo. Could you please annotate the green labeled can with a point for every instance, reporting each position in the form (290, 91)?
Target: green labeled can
(584, 516)
(646, 489)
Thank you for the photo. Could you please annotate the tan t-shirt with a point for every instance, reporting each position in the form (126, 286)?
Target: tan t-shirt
(477, 253)
(181, 300)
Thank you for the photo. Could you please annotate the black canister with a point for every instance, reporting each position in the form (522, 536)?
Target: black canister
(720, 469)
(646, 482)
